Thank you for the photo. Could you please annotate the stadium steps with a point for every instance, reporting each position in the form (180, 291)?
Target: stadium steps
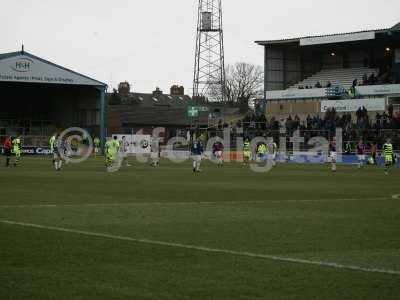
(343, 77)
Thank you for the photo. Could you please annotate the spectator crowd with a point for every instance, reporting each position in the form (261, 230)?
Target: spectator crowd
(354, 127)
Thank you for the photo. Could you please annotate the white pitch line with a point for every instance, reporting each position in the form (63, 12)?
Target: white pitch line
(207, 249)
(189, 203)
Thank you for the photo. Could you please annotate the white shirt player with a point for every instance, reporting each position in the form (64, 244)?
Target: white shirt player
(124, 146)
(155, 152)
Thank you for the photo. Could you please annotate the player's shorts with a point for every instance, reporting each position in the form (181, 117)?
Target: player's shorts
(333, 155)
(154, 156)
(218, 154)
(196, 158)
(361, 157)
(262, 156)
(110, 158)
(96, 149)
(246, 154)
(388, 159)
(56, 155)
(7, 152)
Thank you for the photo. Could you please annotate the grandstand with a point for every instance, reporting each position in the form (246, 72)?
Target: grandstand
(316, 84)
(40, 97)
(302, 72)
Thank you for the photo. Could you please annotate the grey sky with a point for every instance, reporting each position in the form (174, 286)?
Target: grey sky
(151, 43)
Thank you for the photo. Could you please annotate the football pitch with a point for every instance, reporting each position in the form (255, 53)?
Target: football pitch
(297, 232)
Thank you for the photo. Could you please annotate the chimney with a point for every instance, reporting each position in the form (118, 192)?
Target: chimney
(157, 92)
(124, 88)
(177, 90)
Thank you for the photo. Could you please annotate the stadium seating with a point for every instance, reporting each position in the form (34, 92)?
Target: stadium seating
(343, 77)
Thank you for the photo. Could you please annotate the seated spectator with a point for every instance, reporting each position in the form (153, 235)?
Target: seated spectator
(359, 113)
(318, 85)
(390, 111)
(372, 79)
(365, 79)
(355, 82)
(351, 92)
(378, 120)
(308, 120)
(252, 124)
(329, 84)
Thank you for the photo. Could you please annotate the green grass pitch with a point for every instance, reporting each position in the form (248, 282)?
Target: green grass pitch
(222, 228)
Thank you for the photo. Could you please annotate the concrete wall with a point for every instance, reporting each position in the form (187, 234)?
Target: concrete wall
(302, 108)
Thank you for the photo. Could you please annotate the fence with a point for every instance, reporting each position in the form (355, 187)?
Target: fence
(235, 134)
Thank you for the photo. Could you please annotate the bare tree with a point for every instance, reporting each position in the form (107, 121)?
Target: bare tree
(243, 82)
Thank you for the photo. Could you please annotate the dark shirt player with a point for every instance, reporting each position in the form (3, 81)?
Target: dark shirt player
(333, 154)
(7, 145)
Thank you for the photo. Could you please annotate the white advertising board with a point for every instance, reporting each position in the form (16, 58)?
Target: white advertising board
(27, 68)
(376, 104)
(137, 144)
(373, 90)
(296, 94)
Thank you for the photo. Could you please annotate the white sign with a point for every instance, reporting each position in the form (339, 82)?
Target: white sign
(338, 38)
(137, 144)
(27, 68)
(373, 90)
(296, 94)
(376, 104)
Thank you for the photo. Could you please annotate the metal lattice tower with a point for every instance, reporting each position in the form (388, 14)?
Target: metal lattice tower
(209, 69)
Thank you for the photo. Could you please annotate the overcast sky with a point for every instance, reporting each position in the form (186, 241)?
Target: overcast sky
(151, 42)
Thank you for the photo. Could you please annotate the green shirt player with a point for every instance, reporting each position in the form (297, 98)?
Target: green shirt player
(116, 143)
(51, 142)
(246, 151)
(388, 155)
(262, 151)
(96, 142)
(111, 151)
(16, 143)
